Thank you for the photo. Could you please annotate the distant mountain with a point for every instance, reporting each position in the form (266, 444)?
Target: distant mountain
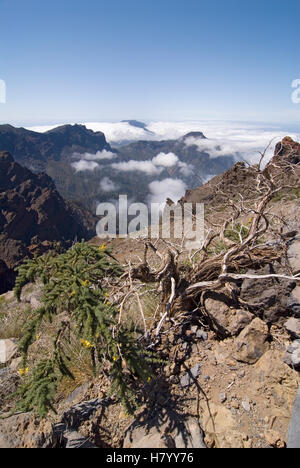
(35, 149)
(187, 151)
(137, 124)
(197, 135)
(33, 217)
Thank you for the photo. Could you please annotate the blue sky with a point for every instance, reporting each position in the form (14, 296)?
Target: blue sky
(91, 60)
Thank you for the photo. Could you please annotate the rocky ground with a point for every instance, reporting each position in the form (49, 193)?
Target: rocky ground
(234, 391)
(228, 379)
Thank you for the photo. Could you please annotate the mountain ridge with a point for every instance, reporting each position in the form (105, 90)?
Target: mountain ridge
(36, 149)
(33, 217)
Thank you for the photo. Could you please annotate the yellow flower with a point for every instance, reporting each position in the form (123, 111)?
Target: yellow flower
(85, 283)
(73, 293)
(149, 379)
(23, 371)
(115, 358)
(102, 247)
(106, 294)
(86, 344)
(37, 337)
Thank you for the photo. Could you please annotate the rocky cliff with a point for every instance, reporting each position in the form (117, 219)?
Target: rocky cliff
(33, 216)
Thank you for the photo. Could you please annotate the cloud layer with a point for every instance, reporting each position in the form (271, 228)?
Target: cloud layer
(107, 185)
(148, 167)
(155, 166)
(87, 161)
(99, 156)
(83, 165)
(234, 138)
(160, 190)
(165, 159)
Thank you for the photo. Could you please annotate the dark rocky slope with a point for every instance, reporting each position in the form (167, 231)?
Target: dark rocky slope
(239, 179)
(33, 216)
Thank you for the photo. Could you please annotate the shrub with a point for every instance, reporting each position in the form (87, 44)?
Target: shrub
(74, 292)
(234, 233)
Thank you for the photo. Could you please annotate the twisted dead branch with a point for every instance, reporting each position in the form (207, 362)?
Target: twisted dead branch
(182, 278)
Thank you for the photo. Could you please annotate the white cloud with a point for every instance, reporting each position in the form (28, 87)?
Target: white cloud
(99, 156)
(143, 166)
(83, 165)
(42, 128)
(117, 132)
(165, 159)
(160, 190)
(107, 185)
(155, 166)
(170, 160)
(241, 145)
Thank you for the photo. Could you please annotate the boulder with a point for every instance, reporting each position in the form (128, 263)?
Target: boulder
(77, 414)
(8, 348)
(240, 320)
(294, 256)
(165, 431)
(294, 260)
(292, 355)
(273, 298)
(292, 325)
(12, 430)
(226, 320)
(190, 377)
(252, 342)
(219, 313)
(220, 426)
(294, 301)
(74, 440)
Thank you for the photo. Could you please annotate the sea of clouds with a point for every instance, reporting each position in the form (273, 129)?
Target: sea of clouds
(244, 141)
(224, 138)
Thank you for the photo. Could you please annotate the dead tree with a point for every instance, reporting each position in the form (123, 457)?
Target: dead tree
(254, 242)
